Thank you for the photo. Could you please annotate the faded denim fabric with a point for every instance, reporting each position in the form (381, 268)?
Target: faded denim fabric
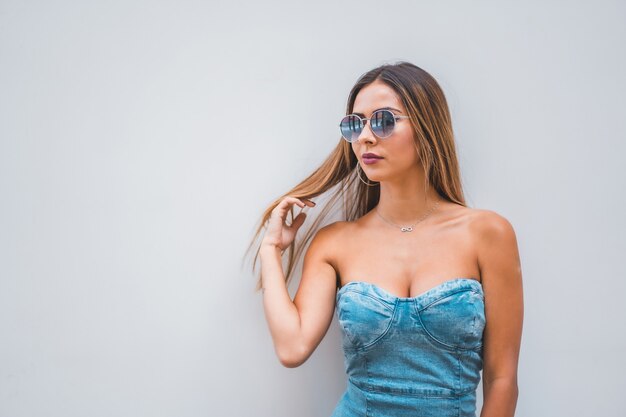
(411, 356)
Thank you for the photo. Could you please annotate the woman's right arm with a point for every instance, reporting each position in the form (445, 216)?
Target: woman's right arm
(297, 326)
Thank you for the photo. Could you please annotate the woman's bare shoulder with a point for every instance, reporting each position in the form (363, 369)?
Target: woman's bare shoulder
(333, 231)
(331, 236)
(485, 218)
(488, 226)
(467, 215)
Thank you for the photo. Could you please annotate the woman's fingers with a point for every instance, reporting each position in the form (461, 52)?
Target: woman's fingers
(298, 221)
(286, 203)
(279, 232)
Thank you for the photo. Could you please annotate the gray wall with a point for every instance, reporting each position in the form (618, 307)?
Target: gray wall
(140, 141)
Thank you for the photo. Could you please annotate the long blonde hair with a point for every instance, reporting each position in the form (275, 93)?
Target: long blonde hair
(427, 108)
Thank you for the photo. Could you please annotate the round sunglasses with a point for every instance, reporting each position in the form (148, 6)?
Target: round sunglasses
(382, 123)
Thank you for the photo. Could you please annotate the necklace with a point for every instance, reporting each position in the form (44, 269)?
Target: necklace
(408, 228)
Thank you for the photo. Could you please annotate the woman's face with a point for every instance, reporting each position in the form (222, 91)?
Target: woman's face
(399, 156)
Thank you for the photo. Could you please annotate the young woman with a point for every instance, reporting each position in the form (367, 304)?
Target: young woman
(427, 291)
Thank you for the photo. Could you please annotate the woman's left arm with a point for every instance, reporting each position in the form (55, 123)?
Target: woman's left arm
(501, 276)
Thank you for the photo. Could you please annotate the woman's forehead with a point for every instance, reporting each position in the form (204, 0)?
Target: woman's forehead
(376, 96)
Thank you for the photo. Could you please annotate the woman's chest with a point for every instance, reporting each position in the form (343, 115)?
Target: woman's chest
(403, 265)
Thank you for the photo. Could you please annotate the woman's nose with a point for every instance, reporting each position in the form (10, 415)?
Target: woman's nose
(366, 134)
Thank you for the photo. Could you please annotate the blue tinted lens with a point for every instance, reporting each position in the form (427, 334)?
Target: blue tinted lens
(382, 123)
(350, 128)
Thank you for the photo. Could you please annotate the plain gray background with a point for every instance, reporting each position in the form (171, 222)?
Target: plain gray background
(140, 141)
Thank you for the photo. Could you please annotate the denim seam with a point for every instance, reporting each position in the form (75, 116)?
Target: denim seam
(448, 345)
(355, 346)
(365, 393)
(427, 393)
(382, 335)
(373, 298)
(459, 369)
(446, 295)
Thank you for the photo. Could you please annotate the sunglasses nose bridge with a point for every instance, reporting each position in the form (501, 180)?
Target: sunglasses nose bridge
(371, 136)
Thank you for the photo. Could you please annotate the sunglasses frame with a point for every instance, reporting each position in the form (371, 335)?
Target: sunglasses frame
(367, 119)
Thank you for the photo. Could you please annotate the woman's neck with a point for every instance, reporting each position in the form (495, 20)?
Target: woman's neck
(403, 204)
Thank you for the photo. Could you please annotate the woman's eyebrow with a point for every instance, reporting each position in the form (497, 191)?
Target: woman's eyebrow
(382, 108)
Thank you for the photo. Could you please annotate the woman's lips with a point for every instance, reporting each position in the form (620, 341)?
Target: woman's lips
(369, 161)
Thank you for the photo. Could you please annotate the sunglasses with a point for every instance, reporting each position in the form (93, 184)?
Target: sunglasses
(382, 123)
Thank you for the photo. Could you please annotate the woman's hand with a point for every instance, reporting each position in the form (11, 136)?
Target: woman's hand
(278, 233)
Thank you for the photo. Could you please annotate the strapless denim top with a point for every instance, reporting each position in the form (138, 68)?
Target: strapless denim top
(411, 356)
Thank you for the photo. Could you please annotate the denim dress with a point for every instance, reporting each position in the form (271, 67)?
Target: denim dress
(411, 356)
